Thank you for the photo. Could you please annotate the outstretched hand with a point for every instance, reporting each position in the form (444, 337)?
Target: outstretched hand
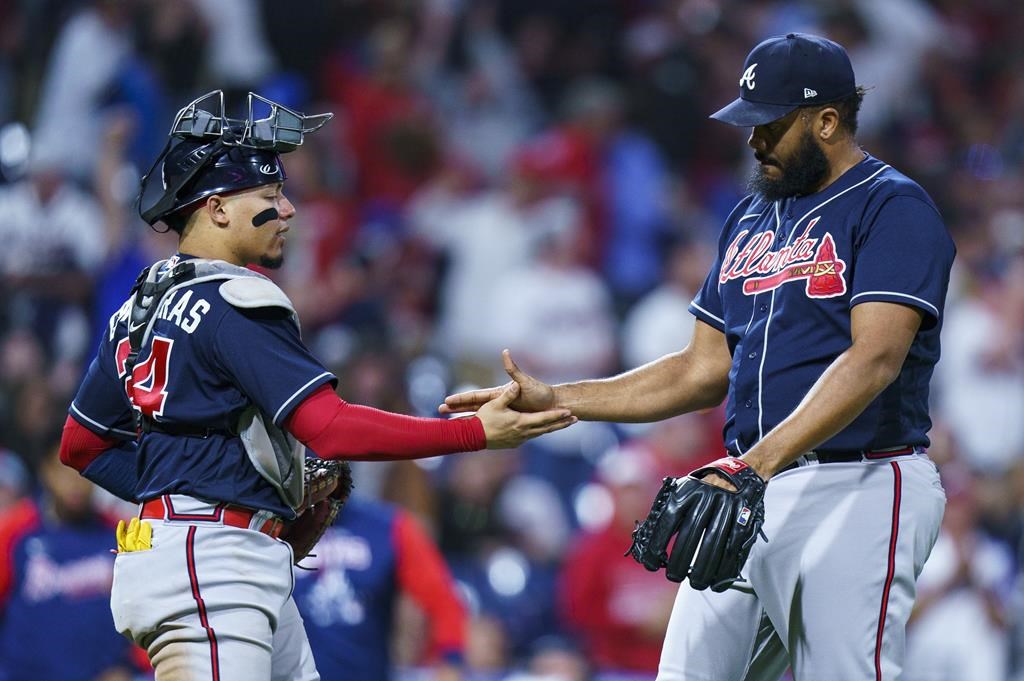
(506, 428)
(533, 395)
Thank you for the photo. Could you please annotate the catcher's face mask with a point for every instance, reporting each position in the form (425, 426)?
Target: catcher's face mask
(209, 153)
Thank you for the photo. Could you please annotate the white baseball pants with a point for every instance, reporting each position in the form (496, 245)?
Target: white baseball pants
(832, 589)
(212, 603)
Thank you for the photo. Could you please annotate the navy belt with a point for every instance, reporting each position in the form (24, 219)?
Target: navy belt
(820, 456)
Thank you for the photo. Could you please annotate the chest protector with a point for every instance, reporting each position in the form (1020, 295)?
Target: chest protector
(275, 454)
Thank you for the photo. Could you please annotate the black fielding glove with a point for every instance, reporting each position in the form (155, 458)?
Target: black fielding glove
(725, 524)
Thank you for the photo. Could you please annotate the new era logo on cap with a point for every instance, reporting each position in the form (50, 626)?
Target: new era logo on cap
(787, 72)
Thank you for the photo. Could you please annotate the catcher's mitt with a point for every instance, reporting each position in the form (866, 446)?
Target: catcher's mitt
(724, 523)
(327, 486)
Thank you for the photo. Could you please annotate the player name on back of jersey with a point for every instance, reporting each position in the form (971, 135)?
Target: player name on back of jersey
(177, 307)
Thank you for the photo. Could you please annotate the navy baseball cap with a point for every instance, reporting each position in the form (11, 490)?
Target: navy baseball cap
(786, 72)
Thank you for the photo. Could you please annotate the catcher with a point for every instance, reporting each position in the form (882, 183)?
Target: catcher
(204, 406)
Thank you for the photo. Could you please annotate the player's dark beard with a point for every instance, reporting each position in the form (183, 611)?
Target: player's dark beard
(802, 173)
(271, 263)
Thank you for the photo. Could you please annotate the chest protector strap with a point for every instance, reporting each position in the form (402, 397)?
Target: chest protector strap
(150, 288)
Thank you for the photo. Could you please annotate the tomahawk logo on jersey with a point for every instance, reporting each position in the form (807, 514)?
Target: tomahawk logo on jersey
(204, 363)
(872, 235)
(806, 259)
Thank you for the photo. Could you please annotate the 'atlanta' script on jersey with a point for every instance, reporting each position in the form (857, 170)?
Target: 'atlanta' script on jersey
(806, 259)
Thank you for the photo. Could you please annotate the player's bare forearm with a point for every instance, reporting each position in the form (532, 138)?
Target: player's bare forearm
(689, 380)
(695, 378)
(664, 388)
(882, 335)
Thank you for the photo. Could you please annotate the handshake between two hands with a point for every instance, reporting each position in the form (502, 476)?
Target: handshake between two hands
(512, 413)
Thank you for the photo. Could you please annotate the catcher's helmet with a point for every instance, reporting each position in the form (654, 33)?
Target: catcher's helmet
(209, 153)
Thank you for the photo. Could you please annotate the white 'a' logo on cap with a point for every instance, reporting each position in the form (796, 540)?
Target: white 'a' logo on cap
(748, 77)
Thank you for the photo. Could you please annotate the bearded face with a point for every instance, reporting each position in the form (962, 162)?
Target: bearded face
(798, 173)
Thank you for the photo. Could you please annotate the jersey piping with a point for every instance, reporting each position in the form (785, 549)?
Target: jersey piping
(717, 319)
(931, 307)
(99, 425)
(299, 392)
(767, 326)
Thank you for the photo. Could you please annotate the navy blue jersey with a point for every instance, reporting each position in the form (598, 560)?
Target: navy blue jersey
(205, 362)
(782, 286)
(347, 599)
(55, 620)
(346, 595)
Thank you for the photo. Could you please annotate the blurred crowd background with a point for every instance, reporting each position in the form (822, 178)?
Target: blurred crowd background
(533, 174)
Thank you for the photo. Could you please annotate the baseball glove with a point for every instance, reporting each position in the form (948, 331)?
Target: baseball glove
(725, 524)
(327, 486)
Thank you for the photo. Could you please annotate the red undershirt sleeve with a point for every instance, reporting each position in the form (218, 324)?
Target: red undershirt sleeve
(335, 429)
(423, 575)
(79, 446)
(109, 462)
